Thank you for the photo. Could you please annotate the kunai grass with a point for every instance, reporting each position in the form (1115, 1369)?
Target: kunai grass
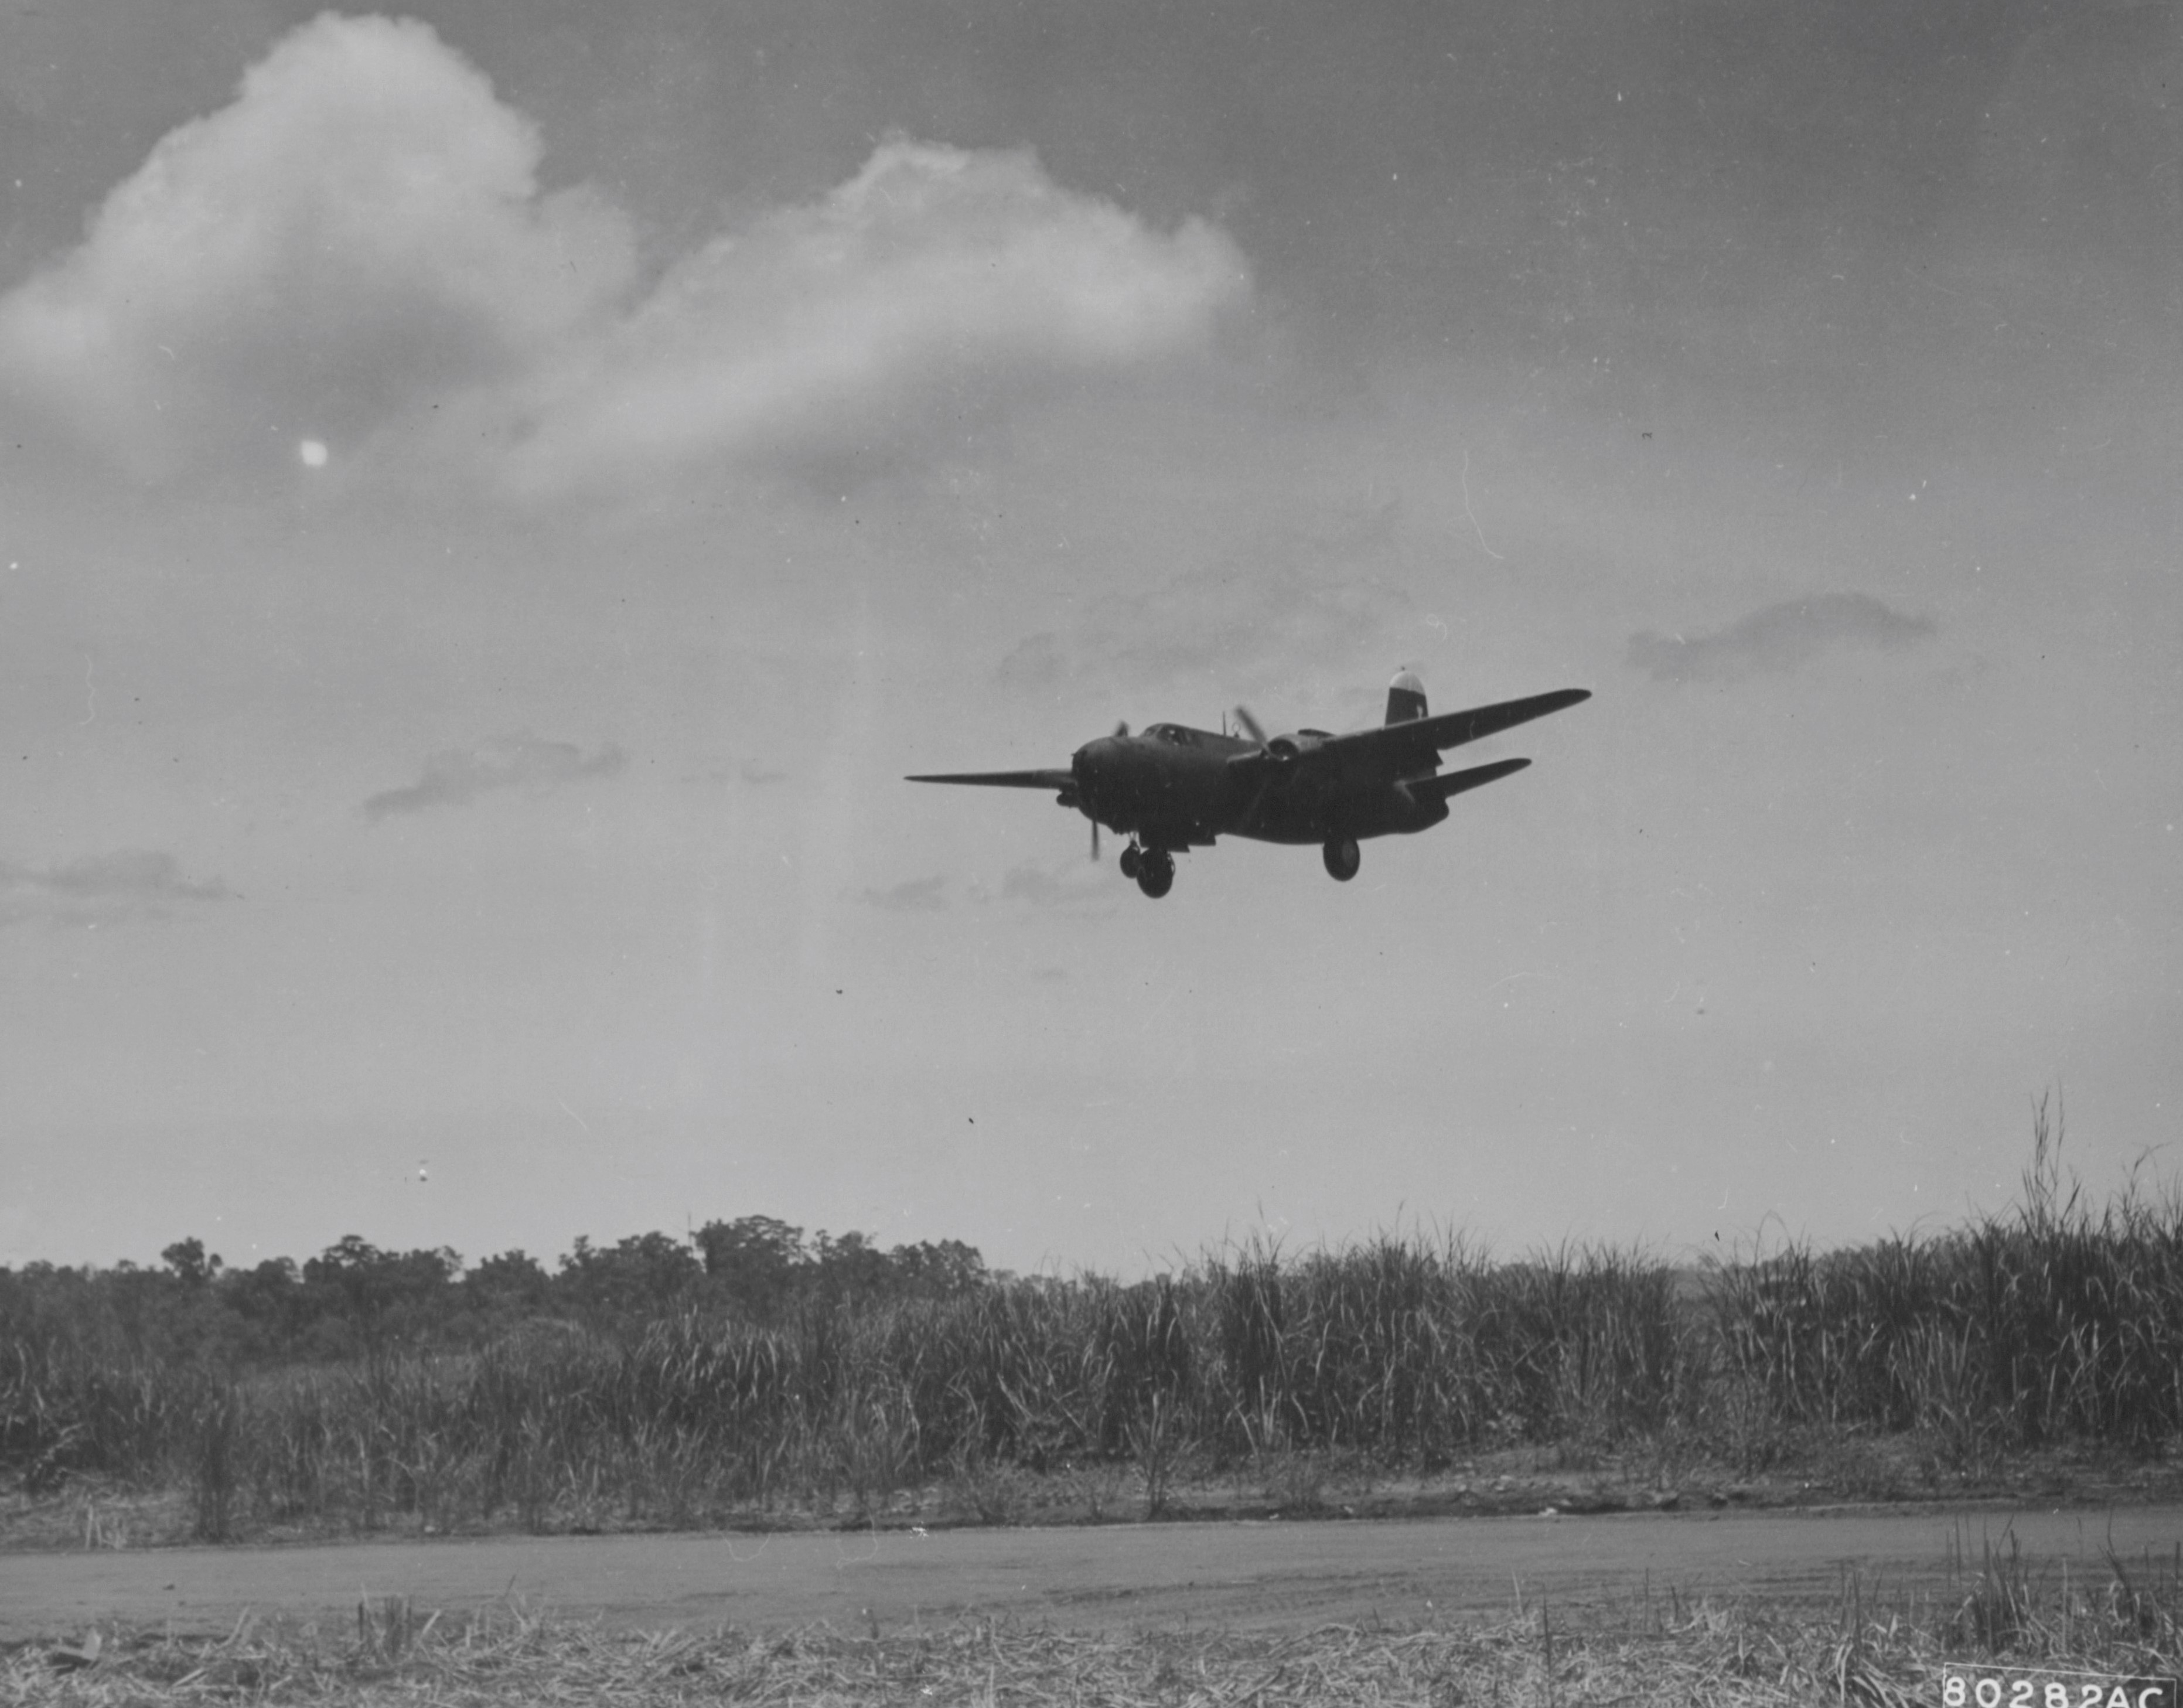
(2054, 1326)
(2004, 1611)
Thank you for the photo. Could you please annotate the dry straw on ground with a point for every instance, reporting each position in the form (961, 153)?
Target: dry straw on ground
(2002, 1609)
(1653, 1651)
(1702, 1656)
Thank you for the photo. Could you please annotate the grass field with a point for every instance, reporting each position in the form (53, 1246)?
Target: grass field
(2025, 1349)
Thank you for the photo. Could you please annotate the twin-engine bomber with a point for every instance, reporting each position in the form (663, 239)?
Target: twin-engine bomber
(1170, 788)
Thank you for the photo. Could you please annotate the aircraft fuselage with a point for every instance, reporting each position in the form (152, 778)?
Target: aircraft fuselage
(1172, 787)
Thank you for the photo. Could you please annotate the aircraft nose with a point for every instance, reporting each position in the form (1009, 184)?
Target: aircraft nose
(1092, 765)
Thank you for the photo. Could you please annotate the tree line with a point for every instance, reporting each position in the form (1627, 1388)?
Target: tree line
(354, 1300)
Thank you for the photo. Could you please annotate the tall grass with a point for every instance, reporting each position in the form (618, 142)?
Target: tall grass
(2052, 1322)
(1396, 1349)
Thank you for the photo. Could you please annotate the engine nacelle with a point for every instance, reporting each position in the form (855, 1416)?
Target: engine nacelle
(1397, 811)
(1293, 746)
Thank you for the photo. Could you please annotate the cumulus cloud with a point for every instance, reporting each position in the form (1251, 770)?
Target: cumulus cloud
(1778, 638)
(359, 232)
(460, 775)
(98, 889)
(916, 895)
(937, 278)
(358, 244)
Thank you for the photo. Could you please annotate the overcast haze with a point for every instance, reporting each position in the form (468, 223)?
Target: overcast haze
(495, 498)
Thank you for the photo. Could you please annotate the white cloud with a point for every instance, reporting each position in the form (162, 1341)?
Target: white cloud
(460, 775)
(358, 243)
(936, 282)
(361, 229)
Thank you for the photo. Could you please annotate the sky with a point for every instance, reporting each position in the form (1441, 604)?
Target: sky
(493, 500)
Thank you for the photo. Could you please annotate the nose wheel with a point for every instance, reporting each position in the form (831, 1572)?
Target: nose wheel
(1341, 859)
(1153, 868)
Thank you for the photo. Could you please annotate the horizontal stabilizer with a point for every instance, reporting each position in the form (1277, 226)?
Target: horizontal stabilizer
(1455, 783)
(1005, 780)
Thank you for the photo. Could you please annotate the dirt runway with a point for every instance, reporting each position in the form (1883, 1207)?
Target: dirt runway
(1238, 1575)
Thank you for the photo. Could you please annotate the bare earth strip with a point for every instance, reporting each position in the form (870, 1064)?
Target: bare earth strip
(1240, 1576)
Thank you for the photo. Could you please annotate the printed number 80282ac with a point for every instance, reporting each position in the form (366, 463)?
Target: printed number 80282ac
(2014, 1687)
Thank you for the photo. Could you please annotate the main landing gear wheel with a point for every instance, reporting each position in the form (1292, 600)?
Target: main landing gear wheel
(1341, 859)
(1129, 861)
(1155, 872)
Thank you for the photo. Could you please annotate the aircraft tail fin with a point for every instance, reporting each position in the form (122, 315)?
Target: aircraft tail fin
(1406, 699)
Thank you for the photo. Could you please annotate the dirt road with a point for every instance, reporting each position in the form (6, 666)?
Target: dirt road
(1236, 1574)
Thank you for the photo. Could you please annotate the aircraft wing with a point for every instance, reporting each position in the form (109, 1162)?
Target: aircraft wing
(1398, 749)
(1005, 780)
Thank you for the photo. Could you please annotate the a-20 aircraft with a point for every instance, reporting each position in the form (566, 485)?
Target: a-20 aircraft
(1170, 788)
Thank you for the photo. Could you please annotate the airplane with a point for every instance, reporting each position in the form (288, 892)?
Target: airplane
(1170, 788)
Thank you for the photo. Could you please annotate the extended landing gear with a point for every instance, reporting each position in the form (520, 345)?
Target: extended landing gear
(1341, 859)
(1153, 868)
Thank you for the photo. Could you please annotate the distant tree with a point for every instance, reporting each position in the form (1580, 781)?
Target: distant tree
(511, 1285)
(636, 1279)
(755, 1262)
(188, 1259)
(354, 1298)
(943, 1270)
(850, 1267)
(758, 1266)
(382, 1298)
(269, 1301)
(154, 1313)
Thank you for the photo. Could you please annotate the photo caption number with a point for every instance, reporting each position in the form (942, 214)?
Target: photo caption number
(2014, 1687)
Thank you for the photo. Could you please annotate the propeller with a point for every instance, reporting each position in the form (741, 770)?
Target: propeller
(1270, 762)
(1121, 733)
(1281, 751)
